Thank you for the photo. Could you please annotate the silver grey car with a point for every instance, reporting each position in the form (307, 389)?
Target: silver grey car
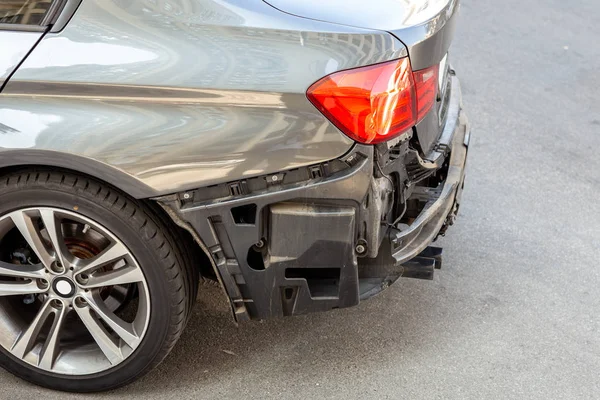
(303, 155)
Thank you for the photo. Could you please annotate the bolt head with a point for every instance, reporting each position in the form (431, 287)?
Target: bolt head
(80, 302)
(360, 249)
(57, 304)
(57, 267)
(43, 284)
(82, 279)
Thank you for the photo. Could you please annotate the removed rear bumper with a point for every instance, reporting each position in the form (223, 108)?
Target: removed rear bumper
(314, 238)
(441, 209)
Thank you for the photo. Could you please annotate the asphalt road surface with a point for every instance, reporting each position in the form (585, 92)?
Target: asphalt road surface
(514, 313)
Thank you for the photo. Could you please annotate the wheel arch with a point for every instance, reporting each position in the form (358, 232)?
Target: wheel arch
(11, 159)
(43, 160)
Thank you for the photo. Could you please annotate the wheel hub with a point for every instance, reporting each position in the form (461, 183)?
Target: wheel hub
(64, 287)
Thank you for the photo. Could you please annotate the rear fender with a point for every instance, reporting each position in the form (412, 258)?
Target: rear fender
(15, 158)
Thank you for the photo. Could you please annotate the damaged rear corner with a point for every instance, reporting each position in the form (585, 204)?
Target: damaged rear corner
(328, 235)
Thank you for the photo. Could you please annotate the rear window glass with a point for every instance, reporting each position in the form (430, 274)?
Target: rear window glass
(23, 12)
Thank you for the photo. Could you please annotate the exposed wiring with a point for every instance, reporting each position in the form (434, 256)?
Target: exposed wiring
(400, 217)
(384, 175)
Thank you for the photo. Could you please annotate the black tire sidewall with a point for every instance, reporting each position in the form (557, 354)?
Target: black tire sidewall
(116, 222)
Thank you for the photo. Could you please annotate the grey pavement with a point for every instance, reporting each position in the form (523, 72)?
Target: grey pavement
(513, 313)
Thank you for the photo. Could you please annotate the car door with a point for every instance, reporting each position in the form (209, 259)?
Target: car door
(22, 25)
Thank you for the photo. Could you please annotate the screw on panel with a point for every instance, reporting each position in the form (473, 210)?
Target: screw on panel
(361, 248)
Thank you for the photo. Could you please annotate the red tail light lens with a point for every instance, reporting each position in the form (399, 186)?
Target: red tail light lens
(376, 103)
(426, 83)
(370, 104)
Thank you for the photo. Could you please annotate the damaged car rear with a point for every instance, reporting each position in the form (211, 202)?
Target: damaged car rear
(304, 155)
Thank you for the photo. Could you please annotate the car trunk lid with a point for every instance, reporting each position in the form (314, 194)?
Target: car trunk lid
(386, 15)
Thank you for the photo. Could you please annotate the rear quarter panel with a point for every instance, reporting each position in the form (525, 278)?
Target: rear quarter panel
(184, 94)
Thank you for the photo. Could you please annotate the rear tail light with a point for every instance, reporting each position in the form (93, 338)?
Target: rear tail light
(426, 83)
(376, 103)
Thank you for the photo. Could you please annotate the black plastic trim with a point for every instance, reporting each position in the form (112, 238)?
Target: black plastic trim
(336, 197)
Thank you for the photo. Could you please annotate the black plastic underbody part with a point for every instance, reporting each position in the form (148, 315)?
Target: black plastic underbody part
(308, 224)
(326, 236)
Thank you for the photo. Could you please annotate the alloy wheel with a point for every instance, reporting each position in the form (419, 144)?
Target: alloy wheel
(73, 299)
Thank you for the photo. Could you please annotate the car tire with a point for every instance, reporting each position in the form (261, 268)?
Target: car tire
(167, 284)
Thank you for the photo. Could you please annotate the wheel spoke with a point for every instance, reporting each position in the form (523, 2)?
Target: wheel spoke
(115, 252)
(27, 339)
(123, 329)
(102, 337)
(50, 349)
(53, 228)
(27, 227)
(21, 270)
(13, 288)
(121, 276)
